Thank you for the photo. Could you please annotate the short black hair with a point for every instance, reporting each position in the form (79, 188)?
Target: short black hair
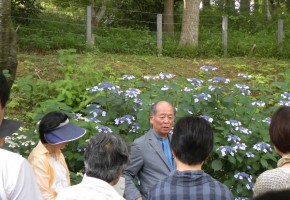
(280, 129)
(192, 140)
(4, 90)
(49, 122)
(106, 156)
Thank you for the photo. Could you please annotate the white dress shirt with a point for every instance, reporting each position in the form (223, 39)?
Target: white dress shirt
(17, 180)
(89, 189)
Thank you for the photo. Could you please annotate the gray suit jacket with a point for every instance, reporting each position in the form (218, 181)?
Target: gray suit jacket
(148, 165)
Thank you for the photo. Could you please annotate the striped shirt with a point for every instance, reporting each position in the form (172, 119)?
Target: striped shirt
(190, 185)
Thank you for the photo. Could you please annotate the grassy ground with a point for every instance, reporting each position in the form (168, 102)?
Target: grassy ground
(50, 68)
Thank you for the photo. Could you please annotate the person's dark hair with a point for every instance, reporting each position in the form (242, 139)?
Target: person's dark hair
(4, 90)
(274, 195)
(153, 108)
(49, 122)
(192, 140)
(106, 156)
(280, 129)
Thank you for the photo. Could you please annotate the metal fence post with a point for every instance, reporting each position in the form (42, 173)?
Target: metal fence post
(225, 34)
(280, 34)
(159, 33)
(89, 27)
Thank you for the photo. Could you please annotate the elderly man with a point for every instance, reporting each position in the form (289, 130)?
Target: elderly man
(105, 158)
(17, 179)
(151, 159)
(191, 144)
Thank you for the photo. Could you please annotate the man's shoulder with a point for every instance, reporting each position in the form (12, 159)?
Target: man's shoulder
(143, 138)
(10, 156)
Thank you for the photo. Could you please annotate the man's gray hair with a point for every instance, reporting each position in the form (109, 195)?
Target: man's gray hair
(106, 156)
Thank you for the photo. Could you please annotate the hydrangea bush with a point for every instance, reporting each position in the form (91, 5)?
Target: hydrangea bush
(238, 108)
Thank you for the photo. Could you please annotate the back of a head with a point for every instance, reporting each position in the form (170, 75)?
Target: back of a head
(280, 129)
(49, 122)
(106, 156)
(4, 90)
(192, 140)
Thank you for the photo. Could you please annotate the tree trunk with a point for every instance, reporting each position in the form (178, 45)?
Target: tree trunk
(266, 10)
(190, 23)
(168, 17)
(8, 59)
(98, 13)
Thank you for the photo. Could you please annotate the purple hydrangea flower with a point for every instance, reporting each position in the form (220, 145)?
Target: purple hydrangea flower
(244, 89)
(219, 80)
(284, 103)
(243, 130)
(233, 138)
(134, 128)
(286, 95)
(227, 150)
(103, 129)
(201, 96)
(233, 122)
(240, 146)
(105, 86)
(195, 81)
(127, 118)
(243, 176)
(166, 75)
(98, 112)
(258, 103)
(208, 68)
(128, 77)
(250, 155)
(262, 146)
(244, 76)
(132, 92)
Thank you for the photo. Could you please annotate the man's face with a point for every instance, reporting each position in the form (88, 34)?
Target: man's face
(163, 119)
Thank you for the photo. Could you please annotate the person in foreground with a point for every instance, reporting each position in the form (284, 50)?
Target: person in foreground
(47, 160)
(17, 180)
(105, 158)
(191, 144)
(278, 178)
(151, 159)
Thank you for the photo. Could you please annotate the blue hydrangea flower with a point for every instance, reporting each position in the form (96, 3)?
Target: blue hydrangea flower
(286, 95)
(243, 130)
(134, 128)
(207, 118)
(262, 146)
(284, 103)
(128, 77)
(98, 112)
(233, 138)
(103, 129)
(233, 122)
(212, 88)
(250, 155)
(240, 146)
(132, 92)
(195, 81)
(127, 118)
(227, 150)
(244, 89)
(151, 77)
(250, 186)
(77, 116)
(92, 119)
(165, 87)
(267, 120)
(166, 75)
(243, 176)
(219, 80)
(258, 103)
(138, 101)
(208, 68)
(244, 76)
(105, 86)
(186, 89)
(201, 96)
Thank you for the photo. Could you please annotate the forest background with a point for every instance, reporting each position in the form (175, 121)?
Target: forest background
(58, 67)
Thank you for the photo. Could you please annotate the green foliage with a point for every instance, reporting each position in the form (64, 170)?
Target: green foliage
(121, 105)
(22, 10)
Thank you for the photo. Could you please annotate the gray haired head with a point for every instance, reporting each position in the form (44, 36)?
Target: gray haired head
(106, 156)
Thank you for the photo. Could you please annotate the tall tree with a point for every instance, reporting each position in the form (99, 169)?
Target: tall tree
(266, 10)
(8, 59)
(190, 23)
(98, 12)
(168, 17)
